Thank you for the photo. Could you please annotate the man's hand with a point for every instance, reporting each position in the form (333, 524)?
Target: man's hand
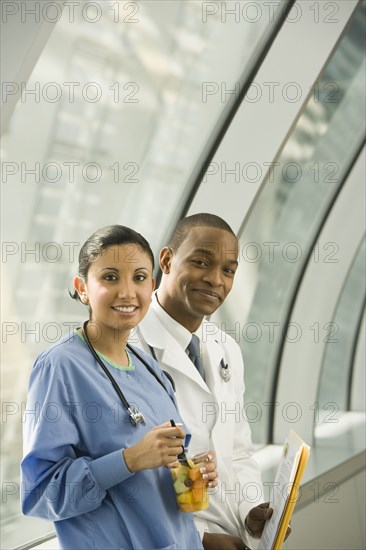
(257, 517)
(218, 541)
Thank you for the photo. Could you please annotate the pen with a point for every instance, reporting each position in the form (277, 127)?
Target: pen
(182, 457)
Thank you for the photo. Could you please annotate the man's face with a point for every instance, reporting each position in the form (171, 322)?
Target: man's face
(199, 275)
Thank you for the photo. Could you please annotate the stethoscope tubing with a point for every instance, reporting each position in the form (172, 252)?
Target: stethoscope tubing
(131, 411)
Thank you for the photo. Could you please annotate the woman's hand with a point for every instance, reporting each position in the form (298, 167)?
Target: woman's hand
(208, 470)
(160, 447)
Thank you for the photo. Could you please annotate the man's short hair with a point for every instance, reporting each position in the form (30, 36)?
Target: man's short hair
(185, 225)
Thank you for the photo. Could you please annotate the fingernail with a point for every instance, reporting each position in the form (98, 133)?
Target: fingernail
(203, 470)
(204, 476)
(209, 457)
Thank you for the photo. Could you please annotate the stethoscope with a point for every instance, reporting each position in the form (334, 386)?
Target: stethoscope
(225, 370)
(136, 416)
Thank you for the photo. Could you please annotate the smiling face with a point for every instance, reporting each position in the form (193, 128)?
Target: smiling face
(118, 288)
(198, 276)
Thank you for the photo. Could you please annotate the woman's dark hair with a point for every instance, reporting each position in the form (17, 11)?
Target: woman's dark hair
(104, 238)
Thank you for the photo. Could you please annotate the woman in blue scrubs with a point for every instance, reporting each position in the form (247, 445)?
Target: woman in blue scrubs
(98, 471)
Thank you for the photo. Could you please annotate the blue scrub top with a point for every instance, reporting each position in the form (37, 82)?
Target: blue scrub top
(73, 471)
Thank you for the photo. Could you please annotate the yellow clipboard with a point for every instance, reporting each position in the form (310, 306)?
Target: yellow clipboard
(294, 459)
(292, 499)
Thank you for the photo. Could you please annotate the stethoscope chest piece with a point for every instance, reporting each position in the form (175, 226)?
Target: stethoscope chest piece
(225, 371)
(136, 417)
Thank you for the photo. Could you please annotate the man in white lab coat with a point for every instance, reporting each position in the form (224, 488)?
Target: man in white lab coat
(198, 268)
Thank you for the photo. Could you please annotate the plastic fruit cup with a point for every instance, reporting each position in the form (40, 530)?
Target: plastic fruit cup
(189, 486)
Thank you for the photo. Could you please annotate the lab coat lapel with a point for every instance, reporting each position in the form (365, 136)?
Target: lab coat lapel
(221, 430)
(167, 351)
(177, 359)
(214, 356)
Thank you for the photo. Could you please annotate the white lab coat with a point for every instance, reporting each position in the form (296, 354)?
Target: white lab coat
(214, 412)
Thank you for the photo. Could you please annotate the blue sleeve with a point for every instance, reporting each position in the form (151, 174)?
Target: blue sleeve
(56, 483)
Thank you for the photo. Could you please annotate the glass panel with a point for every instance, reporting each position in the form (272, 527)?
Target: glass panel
(112, 120)
(336, 371)
(278, 235)
(358, 383)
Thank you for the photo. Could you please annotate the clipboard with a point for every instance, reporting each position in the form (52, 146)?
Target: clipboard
(285, 492)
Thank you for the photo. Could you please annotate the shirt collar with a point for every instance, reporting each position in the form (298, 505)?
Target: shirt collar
(176, 330)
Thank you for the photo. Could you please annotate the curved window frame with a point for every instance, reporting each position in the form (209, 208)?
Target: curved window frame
(264, 416)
